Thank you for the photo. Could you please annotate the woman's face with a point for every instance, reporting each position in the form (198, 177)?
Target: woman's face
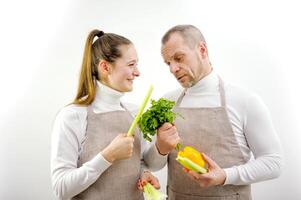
(124, 70)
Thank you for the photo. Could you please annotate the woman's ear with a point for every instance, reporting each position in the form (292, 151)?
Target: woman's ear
(104, 67)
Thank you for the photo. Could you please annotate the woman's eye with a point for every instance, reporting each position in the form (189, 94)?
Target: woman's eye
(132, 64)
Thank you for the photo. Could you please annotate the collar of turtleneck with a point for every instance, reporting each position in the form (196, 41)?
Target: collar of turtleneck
(106, 96)
(207, 84)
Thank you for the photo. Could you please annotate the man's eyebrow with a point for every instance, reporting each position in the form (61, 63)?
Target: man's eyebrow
(178, 54)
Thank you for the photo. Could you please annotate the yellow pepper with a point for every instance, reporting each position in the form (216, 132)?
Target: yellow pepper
(192, 160)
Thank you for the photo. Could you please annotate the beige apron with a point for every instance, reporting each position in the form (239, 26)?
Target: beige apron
(209, 131)
(119, 181)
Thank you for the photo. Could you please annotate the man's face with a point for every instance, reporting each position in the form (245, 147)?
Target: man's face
(184, 62)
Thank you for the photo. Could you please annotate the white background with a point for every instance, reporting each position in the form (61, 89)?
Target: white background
(254, 44)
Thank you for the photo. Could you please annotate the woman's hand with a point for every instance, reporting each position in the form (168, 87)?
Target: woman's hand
(120, 148)
(148, 177)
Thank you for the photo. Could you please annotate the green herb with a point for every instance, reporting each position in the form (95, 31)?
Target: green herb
(159, 113)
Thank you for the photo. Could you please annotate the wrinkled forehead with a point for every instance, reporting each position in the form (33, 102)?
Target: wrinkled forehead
(167, 51)
(175, 44)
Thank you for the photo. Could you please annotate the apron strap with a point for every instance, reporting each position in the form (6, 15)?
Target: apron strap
(222, 92)
(178, 102)
(90, 110)
(123, 106)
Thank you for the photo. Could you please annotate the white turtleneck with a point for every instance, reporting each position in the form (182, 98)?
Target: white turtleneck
(68, 136)
(252, 126)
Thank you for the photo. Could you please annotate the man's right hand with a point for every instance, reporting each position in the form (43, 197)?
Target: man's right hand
(167, 138)
(120, 148)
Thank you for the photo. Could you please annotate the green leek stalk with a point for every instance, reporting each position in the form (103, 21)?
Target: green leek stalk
(150, 193)
(191, 165)
(140, 112)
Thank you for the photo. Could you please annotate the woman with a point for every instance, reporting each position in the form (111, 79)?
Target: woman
(92, 158)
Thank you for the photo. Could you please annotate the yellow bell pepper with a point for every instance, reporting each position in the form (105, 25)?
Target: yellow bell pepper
(192, 160)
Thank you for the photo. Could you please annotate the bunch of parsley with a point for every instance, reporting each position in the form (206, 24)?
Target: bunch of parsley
(159, 112)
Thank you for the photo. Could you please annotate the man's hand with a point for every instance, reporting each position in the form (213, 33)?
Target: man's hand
(215, 176)
(167, 138)
(148, 177)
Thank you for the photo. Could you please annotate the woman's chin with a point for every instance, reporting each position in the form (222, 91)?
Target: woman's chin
(128, 88)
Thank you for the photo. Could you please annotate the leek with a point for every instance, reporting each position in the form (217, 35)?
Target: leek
(141, 109)
(150, 193)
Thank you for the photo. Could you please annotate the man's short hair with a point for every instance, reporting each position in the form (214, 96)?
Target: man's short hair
(191, 34)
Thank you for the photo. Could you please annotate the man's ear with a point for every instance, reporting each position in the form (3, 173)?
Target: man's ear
(104, 67)
(202, 49)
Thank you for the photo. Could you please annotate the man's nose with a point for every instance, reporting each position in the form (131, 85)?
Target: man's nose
(174, 67)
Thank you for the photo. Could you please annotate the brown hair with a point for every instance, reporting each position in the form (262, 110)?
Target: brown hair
(105, 47)
(191, 34)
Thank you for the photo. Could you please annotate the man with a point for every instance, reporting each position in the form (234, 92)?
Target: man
(230, 125)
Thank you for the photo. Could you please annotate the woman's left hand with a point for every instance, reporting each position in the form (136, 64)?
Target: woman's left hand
(148, 177)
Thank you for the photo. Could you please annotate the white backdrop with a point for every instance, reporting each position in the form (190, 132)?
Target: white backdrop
(254, 44)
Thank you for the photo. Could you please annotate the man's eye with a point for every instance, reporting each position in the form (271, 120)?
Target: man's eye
(178, 59)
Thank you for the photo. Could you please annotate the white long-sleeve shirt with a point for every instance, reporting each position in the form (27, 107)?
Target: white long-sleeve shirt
(68, 137)
(251, 123)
